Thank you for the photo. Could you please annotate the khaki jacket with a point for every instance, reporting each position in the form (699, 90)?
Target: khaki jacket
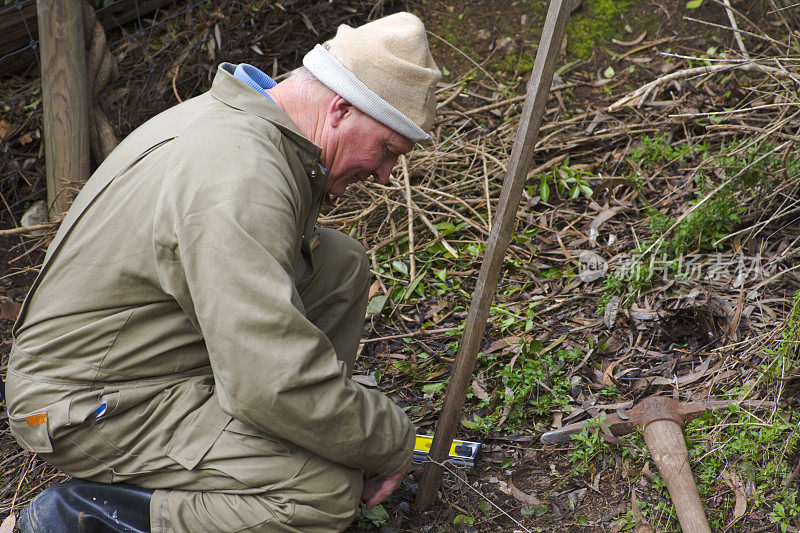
(177, 262)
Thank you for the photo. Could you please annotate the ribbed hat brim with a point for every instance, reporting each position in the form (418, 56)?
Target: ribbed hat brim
(334, 75)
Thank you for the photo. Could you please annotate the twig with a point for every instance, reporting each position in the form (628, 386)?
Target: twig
(486, 189)
(26, 229)
(411, 258)
(450, 98)
(21, 479)
(645, 47)
(417, 333)
(751, 34)
(642, 92)
(737, 34)
(495, 105)
(465, 55)
(745, 127)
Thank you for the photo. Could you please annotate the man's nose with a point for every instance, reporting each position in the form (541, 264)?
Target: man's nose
(383, 172)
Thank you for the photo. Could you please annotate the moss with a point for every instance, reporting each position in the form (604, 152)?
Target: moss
(512, 65)
(596, 23)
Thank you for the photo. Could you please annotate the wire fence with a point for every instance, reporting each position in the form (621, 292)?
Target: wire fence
(166, 52)
(20, 16)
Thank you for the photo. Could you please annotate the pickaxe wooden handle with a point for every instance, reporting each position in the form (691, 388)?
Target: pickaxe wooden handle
(667, 447)
(662, 420)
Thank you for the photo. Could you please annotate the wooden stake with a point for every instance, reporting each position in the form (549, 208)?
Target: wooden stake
(521, 157)
(65, 100)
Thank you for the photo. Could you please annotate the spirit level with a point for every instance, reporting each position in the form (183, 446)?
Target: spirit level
(462, 452)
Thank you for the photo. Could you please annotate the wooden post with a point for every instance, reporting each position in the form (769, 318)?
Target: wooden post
(65, 100)
(499, 237)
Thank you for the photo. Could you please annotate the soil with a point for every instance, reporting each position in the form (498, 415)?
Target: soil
(487, 34)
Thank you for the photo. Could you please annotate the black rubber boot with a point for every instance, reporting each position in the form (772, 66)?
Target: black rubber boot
(88, 507)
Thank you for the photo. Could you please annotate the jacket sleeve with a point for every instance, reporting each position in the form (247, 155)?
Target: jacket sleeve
(237, 233)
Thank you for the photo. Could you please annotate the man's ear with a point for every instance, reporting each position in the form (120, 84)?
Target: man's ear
(339, 110)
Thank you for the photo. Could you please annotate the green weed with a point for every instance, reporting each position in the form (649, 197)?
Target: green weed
(755, 449)
(743, 173)
(535, 383)
(564, 179)
(512, 65)
(657, 150)
(589, 444)
(785, 355)
(377, 516)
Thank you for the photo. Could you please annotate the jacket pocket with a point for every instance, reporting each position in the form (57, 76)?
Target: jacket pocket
(197, 433)
(255, 458)
(31, 432)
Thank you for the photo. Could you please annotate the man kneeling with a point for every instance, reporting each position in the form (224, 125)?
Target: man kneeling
(186, 351)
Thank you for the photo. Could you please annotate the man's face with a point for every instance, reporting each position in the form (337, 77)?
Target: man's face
(360, 147)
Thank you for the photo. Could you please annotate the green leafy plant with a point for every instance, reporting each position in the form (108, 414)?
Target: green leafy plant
(533, 383)
(589, 444)
(464, 520)
(742, 170)
(785, 355)
(657, 150)
(513, 65)
(377, 516)
(564, 178)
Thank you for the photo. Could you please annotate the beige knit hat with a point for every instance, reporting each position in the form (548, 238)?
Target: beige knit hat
(385, 69)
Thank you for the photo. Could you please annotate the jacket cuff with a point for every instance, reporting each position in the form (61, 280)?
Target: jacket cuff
(407, 452)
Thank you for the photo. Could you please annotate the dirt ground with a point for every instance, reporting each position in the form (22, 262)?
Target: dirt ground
(518, 484)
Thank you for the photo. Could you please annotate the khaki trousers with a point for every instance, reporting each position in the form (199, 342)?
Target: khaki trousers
(248, 480)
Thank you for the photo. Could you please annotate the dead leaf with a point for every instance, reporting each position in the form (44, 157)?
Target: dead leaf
(435, 310)
(500, 344)
(9, 310)
(373, 290)
(506, 409)
(594, 227)
(557, 419)
(367, 381)
(563, 248)
(598, 119)
(524, 497)
(449, 248)
(35, 215)
(607, 381)
(8, 524)
(218, 36)
(25, 139)
(502, 486)
(5, 127)
(612, 308)
(478, 391)
(737, 316)
(638, 313)
(733, 481)
(307, 22)
(641, 524)
(701, 372)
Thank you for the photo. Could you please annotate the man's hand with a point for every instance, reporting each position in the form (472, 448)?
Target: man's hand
(378, 488)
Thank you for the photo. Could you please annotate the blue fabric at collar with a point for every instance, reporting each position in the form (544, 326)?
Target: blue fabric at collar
(254, 78)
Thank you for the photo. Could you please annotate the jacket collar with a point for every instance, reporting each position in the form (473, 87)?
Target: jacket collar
(231, 91)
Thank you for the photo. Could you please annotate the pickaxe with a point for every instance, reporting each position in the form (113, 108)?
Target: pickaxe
(662, 420)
